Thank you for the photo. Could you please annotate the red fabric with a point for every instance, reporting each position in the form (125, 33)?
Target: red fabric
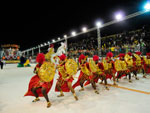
(147, 54)
(35, 82)
(81, 57)
(108, 76)
(121, 75)
(95, 58)
(138, 53)
(62, 57)
(90, 78)
(51, 46)
(100, 65)
(109, 54)
(40, 58)
(129, 53)
(121, 55)
(147, 68)
(110, 71)
(64, 85)
(78, 81)
(88, 66)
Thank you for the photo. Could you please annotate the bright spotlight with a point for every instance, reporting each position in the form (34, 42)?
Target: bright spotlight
(99, 24)
(84, 29)
(53, 40)
(119, 16)
(65, 36)
(73, 33)
(58, 38)
(147, 6)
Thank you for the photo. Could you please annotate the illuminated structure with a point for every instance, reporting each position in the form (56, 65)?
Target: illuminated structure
(10, 52)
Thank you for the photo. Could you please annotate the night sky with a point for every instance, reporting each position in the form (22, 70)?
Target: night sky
(29, 24)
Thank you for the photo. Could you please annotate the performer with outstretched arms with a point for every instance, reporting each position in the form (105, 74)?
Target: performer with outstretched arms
(64, 82)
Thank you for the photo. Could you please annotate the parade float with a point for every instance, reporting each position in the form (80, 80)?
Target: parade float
(10, 53)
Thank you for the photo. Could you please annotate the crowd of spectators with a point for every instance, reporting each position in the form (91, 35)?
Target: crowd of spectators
(135, 40)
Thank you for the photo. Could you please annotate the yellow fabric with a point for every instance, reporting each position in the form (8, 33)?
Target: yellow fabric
(49, 54)
(27, 62)
(129, 60)
(85, 70)
(112, 48)
(105, 64)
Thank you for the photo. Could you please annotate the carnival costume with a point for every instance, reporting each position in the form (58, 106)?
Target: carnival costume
(147, 63)
(121, 67)
(138, 63)
(85, 74)
(41, 83)
(109, 68)
(97, 69)
(66, 68)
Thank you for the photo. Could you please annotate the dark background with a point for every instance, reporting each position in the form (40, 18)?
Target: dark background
(30, 24)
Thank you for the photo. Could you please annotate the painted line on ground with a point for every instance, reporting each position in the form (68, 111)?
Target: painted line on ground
(125, 88)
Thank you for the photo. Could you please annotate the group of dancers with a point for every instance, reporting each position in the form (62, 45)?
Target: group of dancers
(91, 71)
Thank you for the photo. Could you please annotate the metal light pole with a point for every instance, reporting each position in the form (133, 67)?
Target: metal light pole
(27, 53)
(99, 42)
(32, 52)
(99, 25)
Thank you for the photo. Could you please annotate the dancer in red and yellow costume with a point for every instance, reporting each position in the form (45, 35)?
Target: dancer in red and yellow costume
(109, 68)
(37, 87)
(138, 63)
(97, 69)
(85, 74)
(121, 67)
(64, 82)
(147, 63)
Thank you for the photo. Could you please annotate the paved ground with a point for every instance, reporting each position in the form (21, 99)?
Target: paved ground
(126, 98)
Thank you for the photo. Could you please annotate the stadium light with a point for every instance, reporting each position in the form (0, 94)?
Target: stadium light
(119, 16)
(53, 40)
(84, 29)
(58, 38)
(65, 36)
(73, 33)
(147, 6)
(99, 24)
